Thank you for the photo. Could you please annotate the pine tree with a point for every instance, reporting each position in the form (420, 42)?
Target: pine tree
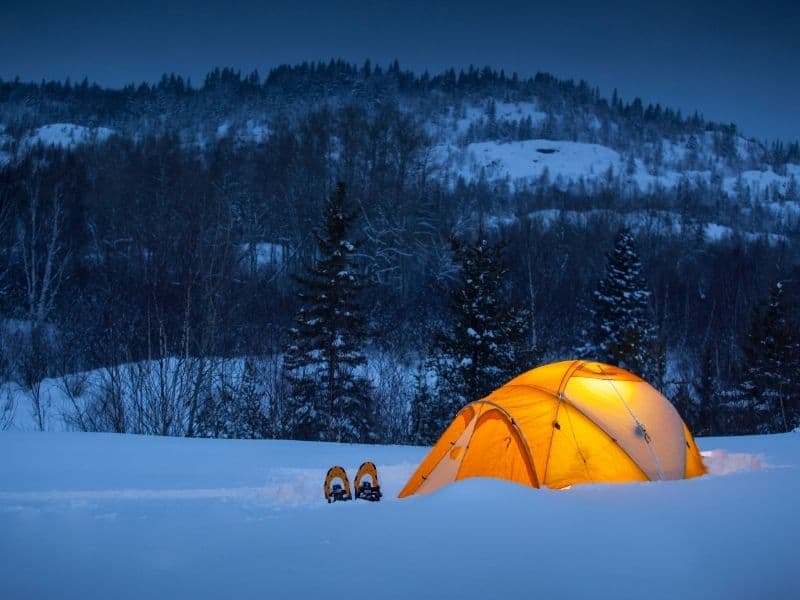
(329, 399)
(485, 345)
(770, 381)
(622, 331)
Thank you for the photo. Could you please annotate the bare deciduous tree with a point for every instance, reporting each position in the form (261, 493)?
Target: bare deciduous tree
(393, 390)
(44, 256)
(7, 410)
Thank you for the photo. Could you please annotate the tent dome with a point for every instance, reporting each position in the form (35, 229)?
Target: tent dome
(562, 424)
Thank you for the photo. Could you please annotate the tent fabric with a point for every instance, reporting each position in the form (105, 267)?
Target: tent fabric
(562, 424)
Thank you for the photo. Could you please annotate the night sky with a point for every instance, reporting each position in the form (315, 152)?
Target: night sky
(732, 61)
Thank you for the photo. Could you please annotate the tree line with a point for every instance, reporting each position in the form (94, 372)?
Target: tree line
(187, 265)
(574, 110)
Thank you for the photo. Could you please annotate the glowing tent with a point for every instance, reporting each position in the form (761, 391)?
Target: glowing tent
(561, 424)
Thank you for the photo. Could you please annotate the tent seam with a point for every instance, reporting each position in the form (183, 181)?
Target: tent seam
(511, 421)
(559, 397)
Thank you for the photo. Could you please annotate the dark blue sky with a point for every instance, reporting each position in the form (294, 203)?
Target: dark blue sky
(732, 61)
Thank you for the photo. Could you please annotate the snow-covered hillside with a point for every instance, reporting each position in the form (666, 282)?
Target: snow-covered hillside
(567, 164)
(580, 166)
(71, 402)
(532, 159)
(66, 135)
(101, 515)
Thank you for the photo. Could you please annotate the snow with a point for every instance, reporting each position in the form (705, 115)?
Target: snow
(649, 221)
(516, 111)
(249, 131)
(255, 132)
(759, 181)
(223, 129)
(530, 159)
(452, 125)
(103, 515)
(559, 162)
(59, 396)
(715, 232)
(566, 163)
(66, 135)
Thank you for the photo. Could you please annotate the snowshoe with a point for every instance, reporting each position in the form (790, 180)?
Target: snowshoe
(366, 483)
(337, 491)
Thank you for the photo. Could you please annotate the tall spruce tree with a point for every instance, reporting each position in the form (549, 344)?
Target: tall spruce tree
(330, 398)
(622, 330)
(771, 384)
(484, 345)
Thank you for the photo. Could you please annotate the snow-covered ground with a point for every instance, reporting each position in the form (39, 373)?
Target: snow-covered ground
(66, 135)
(529, 159)
(120, 516)
(565, 164)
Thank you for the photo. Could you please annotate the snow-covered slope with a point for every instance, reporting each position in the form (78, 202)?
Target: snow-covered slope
(101, 515)
(66, 135)
(567, 164)
(530, 159)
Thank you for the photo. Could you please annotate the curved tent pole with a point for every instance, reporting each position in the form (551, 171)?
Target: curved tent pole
(512, 422)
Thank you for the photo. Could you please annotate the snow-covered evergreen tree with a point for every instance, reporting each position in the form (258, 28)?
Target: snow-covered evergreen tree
(485, 345)
(770, 374)
(622, 331)
(330, 399)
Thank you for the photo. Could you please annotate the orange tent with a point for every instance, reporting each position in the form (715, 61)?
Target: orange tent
(561, 424)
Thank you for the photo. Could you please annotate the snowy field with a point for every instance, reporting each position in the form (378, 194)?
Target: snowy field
(121, 516)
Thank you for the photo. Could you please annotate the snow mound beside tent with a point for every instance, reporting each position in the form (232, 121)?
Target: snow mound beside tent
(123, 516)
(720, 462)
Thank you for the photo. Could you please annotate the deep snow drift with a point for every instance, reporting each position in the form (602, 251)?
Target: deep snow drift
(120, 516)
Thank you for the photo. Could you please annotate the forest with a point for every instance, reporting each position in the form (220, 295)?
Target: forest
(322, 280)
